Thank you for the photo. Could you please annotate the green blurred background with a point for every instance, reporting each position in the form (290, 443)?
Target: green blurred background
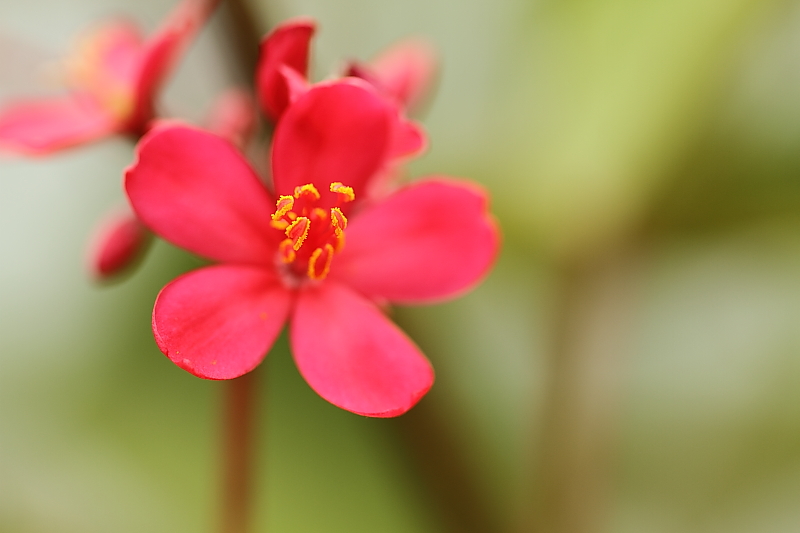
(630, 366)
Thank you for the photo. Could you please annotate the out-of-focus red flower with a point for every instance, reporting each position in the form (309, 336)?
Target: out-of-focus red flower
(318, 256)
(113, 76)
(233, 116)
(406, 71)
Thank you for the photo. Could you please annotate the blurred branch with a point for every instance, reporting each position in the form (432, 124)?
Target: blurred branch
(244, 27)
(444, 471)
(593, 321)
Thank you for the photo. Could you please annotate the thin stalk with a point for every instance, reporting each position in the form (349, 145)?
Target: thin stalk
(244, 28)
(238, 453)
(595, 310)
(443, 470)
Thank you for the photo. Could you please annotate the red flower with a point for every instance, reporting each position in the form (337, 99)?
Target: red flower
(319, 256)
(406, 71)
(113, 77)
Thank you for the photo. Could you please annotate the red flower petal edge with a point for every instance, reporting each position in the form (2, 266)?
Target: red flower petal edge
(160, 54)
(429, 241)
(353, 356)
(219, 322)
(38, 127)
(286, 46)
(120, 241)
(195, 190)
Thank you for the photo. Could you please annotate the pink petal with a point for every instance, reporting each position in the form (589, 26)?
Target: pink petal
(427, 242)
(233, 117)
(104, 62)
(353, 356)
(46, 125)
(296, 84)
(408, 139)
(219, 322)
(286, 46)
(338, 131)
(407, 71)
(197, 191)
(120, 240)
(161, 53)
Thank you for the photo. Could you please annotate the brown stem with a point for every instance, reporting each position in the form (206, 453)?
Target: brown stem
(245, 30)
(595, 308)
(238, 434)
(443, 470)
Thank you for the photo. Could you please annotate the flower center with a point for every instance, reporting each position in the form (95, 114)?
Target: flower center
(313, 233)
(102, 64)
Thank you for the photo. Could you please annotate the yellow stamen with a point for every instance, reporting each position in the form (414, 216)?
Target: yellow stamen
(309, 191)
(326, 256)
(84, 70)
(119, 103)
(338, 220)
(286, 251)
(346, 192)
(339, 241)
(298, 231)
(319, 213)
(279, 224)
(283, 206)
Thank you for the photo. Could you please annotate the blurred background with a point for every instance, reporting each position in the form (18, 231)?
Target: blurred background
(631, 365)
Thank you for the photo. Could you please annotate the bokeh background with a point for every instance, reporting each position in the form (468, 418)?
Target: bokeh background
(630, 366)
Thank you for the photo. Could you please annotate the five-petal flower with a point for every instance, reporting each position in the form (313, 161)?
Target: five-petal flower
(316, 253)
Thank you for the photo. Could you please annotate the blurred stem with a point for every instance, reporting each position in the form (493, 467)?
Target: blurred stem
(237, 448)
(443, 470)
(595, 308)
(245, 27)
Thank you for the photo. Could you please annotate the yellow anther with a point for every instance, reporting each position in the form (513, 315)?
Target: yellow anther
(84, 70)
(279, 224)
(320, 262)
(339, 241)
(338, 220)
(319, 213)
(308, 190)
(282, 206)
(286, 251)
(298, 231)
(346, 192)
